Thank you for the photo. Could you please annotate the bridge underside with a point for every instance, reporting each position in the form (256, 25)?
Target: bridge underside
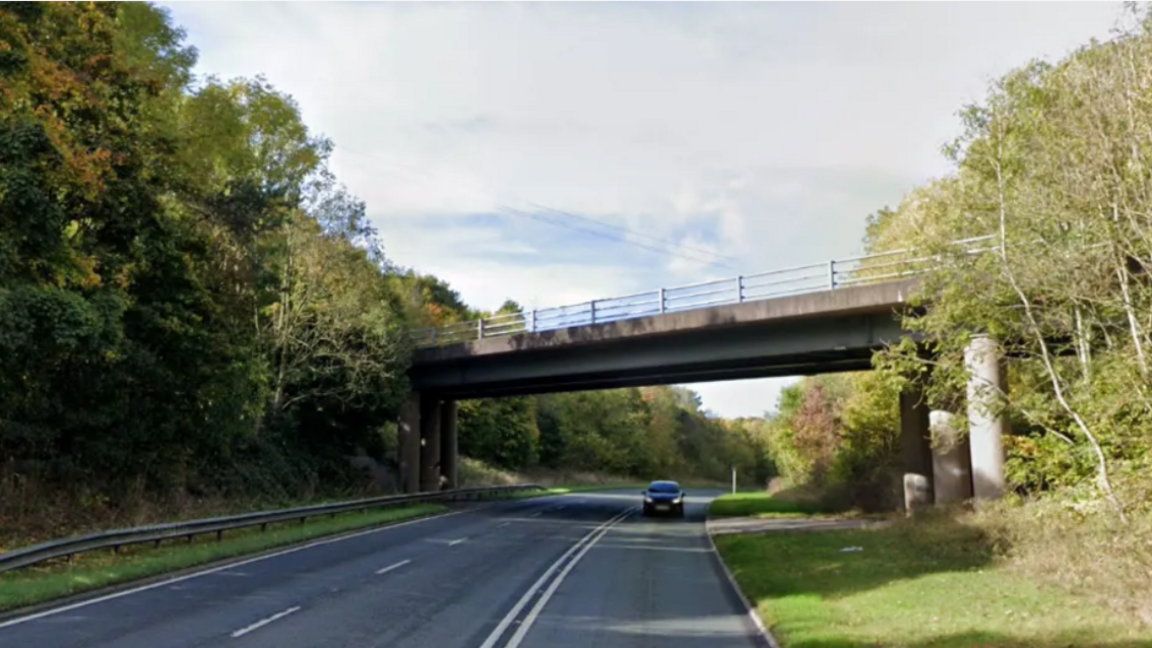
(785, 348)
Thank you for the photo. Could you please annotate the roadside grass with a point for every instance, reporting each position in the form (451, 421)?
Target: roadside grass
(563, 490)
(933, 583)
(103, 568)
(764, 505)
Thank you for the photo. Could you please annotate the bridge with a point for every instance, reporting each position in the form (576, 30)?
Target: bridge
(820, 318)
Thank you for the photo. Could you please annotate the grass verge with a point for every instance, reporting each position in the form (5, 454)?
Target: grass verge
(564, 490)
(761, 504)
(930, 584)
(100, 569)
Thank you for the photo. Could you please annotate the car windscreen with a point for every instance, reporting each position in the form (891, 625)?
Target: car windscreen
(664, 487)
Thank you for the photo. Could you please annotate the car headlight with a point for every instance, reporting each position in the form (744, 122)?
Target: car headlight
(647, 500)
(678, 499)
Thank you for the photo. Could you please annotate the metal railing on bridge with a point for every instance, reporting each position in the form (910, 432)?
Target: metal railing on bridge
(797, 280)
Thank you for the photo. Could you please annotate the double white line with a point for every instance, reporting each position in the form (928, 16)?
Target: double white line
(563, 565)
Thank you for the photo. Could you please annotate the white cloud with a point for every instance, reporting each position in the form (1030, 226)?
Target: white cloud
(761, 131)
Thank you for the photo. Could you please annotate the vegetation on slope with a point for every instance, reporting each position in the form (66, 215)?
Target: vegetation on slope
(1055, 165)
(196, 317)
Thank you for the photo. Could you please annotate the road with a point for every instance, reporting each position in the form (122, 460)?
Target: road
(557, 572)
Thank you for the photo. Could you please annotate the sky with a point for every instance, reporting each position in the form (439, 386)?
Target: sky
(733, 138)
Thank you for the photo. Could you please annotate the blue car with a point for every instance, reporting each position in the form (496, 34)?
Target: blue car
(664, 497)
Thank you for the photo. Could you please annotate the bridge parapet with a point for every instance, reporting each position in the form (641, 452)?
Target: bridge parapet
(827, 276)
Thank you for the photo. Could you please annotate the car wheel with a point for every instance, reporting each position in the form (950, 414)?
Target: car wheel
(680, 511)
(646, 512)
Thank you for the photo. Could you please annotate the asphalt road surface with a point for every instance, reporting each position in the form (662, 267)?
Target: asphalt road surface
(558, 572)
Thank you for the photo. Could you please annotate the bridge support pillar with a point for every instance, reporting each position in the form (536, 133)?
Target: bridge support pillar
(429, 444)
(951, 461)
(448, 446)
(987, 423)
(408, 442)
(916, 450)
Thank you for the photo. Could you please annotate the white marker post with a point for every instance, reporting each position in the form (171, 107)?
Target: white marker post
(733, 479)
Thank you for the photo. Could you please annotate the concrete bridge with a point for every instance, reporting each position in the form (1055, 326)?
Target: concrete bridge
(820, 318)
(819, 332)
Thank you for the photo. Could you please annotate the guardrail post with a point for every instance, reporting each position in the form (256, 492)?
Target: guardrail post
(532, 320)
(662, 301)
(593, 311)
(739, 290)
(831, 275)
(434, 332)
(480, 329)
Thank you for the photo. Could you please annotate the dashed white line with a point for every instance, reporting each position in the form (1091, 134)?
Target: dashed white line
(502, 525)
(536, 514)
(391, 567)
(456, 542)
(263, 622)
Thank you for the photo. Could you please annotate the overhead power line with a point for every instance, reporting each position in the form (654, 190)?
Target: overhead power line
(542, 219)
(632, 232)
(556, 223)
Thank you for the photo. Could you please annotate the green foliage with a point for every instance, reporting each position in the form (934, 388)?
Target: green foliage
(188, 299)
(839, 434)
(1054, 164)
(501, 432)
(646, 433)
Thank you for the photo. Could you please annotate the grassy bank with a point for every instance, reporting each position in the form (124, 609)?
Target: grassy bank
(941, 582)
(103, 568)
(761, 504)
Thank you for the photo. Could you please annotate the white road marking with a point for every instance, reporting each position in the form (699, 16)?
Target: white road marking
(263, 622)
(536, 514)
(391, 567)
(752, 613)
(526, 624)
(177, 579)
(456, 542)
(502, 525)
(515, 611)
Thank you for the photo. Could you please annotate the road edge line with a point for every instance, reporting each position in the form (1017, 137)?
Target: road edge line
(751, 609)
(17, 616)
